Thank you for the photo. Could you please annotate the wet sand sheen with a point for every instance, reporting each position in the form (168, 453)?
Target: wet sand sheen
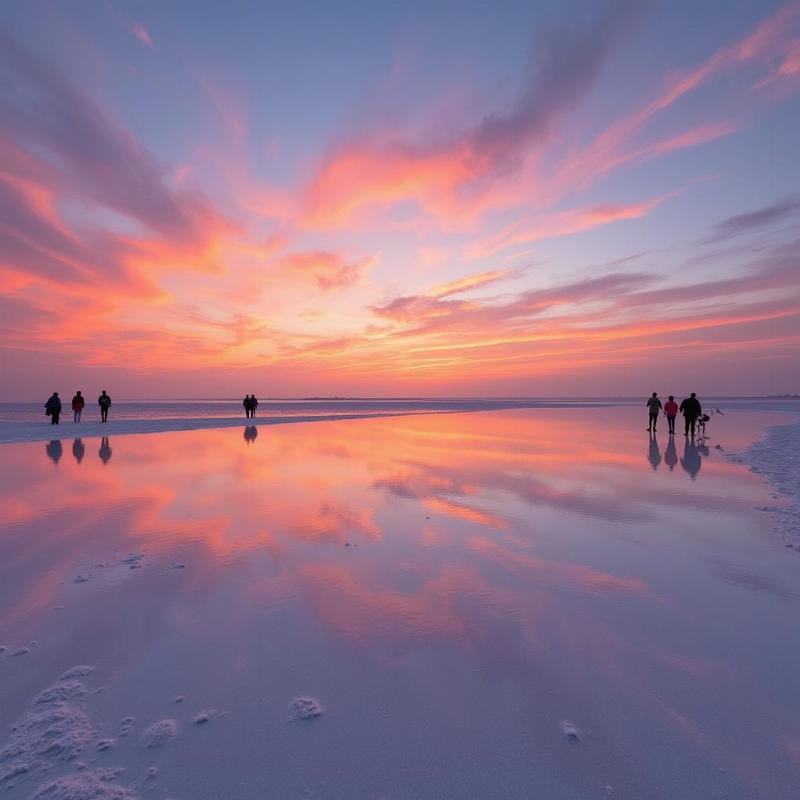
(506, 604)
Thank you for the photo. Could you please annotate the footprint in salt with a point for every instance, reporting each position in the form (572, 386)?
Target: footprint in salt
(570, 730)
(305, 708)
(105, 744)
(203, 716)
(80, 579)
(126, 725)
(159, 733)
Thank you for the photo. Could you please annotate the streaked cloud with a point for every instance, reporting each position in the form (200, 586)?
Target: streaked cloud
(141, 33)
(754, 221)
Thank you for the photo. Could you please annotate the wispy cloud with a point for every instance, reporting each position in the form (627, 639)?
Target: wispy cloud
(447, 178)
(141, 33)
(328, 269)
(754, 221)
(566, 223)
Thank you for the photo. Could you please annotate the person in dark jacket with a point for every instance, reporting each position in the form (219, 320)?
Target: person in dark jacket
(653, 408)
(253, 405)
(78, 403)
(246, 404)
(53, 408)
(104, 401)
(691, 409)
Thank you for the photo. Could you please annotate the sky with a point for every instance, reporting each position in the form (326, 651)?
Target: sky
(202, 199)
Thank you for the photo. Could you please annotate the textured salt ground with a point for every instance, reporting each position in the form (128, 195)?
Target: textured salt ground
(131, 562)
(50, 736)
(776, 458)
(57, 729)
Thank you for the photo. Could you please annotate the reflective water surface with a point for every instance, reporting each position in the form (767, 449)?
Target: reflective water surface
(451, 588)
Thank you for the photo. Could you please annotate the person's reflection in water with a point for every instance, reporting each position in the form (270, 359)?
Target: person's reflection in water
(54, 450)
(250, 433)
(653, 452)
(105, 450)
(78, 449)
(671, 454)
(691, 459)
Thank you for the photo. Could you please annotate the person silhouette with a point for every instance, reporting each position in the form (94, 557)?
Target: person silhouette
(653, 408)
(671, 454)
(104, 401)
(691, 409)
(54, 450)
(77, 406)
(253, 405)
(691, 459)
(250, 433)
(78, 449)
(53, 408)
(653, 452)
(105, 450)
(670, 412)
(246, 405)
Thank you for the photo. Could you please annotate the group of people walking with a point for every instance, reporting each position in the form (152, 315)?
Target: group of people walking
(250, 405)
(690, 408)
(53, 407)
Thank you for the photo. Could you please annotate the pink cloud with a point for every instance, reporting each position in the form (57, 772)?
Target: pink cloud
(564, 224)
(328, 269)
(448, 178)
(140, 32)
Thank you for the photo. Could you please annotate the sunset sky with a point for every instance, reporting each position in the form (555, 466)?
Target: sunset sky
(451, 198)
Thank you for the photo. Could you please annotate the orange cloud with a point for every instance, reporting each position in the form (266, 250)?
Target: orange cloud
(469, 282)
(327, 269)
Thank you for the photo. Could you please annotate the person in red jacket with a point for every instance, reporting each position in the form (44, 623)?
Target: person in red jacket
(77, 406)
(670, 412)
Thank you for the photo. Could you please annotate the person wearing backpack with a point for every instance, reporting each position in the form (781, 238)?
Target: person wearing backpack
(654, 407)
(77, 406)
(104, 401)
(53, 408)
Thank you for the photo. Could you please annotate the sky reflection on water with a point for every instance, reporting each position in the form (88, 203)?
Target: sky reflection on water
(451, 587)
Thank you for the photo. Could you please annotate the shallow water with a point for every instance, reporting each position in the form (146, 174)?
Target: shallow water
(451, 589)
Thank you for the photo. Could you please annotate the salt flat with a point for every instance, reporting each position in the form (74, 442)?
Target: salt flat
(511, 604)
